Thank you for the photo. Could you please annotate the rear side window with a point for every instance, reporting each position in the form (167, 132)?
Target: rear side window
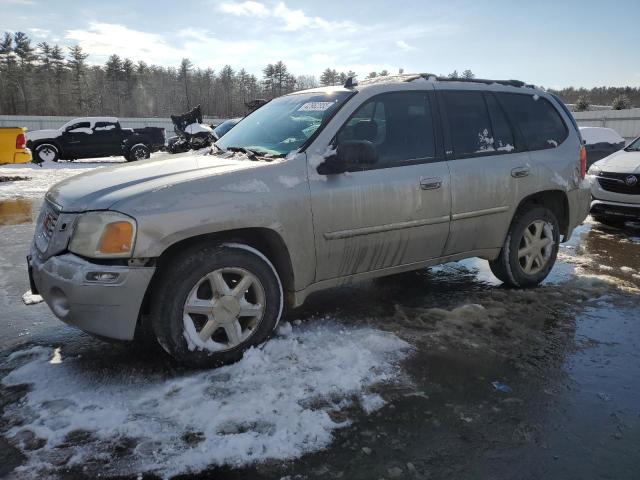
(540, 123)
(399, 124)
(503, 139)
(104, 126)
(469, 122)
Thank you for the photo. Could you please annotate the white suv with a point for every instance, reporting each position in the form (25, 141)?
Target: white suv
(315, 189)
(615, 186)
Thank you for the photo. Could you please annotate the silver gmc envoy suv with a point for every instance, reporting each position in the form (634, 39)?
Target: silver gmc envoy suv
(313, 190)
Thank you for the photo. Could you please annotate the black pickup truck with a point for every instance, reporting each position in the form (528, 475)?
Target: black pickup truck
(92, 137)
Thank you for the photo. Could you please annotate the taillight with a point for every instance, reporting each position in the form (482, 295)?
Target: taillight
(21, 141)
(583, 161)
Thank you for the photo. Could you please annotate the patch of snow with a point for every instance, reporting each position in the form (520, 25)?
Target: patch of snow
(552, 142)
(29, 298)
(198, 128)
(285, 329)
(289, 182)
(273, 404)
(247, 186)
(627, 269)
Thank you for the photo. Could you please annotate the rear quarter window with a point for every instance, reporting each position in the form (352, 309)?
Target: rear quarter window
(538, 120)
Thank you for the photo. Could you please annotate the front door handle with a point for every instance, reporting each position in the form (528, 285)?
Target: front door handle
(430, 183)
(520, 172)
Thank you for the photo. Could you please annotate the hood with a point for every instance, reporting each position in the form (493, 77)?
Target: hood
(99, 189)
(40, 134)
(620, 162)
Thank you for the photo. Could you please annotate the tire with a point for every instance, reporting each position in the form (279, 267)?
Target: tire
(138, 152)
(46, 152)
(190, 282)
(539, 248)
(610, 222)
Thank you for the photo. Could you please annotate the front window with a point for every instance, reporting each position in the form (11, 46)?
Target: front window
(634, 146)
(284, 124)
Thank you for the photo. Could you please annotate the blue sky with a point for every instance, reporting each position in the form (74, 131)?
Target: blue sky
(549, 43)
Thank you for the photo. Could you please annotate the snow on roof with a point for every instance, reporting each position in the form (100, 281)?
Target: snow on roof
(593, 135)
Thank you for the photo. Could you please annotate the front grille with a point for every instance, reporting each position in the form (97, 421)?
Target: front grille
(46, 227)
(618, 183)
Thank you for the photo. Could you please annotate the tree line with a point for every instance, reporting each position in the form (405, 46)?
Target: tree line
(584, 99)
(46, 79)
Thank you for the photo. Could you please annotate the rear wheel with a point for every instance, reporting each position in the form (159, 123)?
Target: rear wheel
(138, 152)
(213, 303)
(46, 152)
(530, 249)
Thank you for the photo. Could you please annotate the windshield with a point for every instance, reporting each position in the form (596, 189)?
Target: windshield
(284, 124)
(634, 146)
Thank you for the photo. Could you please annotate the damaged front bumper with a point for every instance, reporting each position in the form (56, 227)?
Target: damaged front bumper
(103, 300)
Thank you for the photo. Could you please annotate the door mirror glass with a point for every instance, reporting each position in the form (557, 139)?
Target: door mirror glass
(350, 155)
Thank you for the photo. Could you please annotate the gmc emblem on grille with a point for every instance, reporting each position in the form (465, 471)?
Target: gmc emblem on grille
(631, 180)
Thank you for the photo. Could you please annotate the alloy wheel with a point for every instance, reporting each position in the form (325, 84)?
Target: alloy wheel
(224, 308)
(536, 247)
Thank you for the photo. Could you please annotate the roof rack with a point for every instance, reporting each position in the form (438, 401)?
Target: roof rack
(432, 77)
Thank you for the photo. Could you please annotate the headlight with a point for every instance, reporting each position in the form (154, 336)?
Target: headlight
(103, 235)
(593, 170)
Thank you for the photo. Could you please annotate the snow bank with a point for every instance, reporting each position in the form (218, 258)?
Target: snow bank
(273, 404)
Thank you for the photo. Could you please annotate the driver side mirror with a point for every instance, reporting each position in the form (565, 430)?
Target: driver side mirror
(350, 155)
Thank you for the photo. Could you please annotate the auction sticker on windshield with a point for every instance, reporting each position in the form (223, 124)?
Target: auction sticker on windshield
(315, 106)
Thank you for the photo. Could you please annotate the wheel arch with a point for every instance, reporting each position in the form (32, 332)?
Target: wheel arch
(265, 240)
(556, 201)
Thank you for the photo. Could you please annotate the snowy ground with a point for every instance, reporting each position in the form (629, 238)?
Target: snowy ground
(440, 373)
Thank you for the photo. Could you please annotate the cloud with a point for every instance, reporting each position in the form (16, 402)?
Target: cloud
(104, 39)
(404, 46)
(245, 9)
(40, 32)
(291, 19)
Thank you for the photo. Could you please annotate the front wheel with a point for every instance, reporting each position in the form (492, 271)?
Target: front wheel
(530, 249)
(214, 302)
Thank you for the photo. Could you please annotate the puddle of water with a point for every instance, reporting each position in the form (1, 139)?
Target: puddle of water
(18, 211)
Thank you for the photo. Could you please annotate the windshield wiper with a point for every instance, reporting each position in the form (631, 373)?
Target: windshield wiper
(248, 151)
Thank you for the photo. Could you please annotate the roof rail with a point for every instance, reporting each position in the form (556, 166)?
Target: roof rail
(486, 81)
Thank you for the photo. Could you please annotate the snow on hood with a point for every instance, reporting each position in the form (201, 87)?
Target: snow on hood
(101, 188)
(620, 162)
(41, 134)
(276, 403)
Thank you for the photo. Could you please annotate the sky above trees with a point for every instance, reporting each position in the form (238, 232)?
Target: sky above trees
(554, 44)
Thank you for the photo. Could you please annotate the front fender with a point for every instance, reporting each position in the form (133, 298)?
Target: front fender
(275, 197)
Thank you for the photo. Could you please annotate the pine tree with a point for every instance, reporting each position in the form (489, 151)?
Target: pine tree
(621, 102)
(468, 74)
(582, 104)
(78, 67)
(185, 68)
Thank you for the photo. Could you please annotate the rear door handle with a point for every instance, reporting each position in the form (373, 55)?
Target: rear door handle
(430, 183)
(520, 172)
